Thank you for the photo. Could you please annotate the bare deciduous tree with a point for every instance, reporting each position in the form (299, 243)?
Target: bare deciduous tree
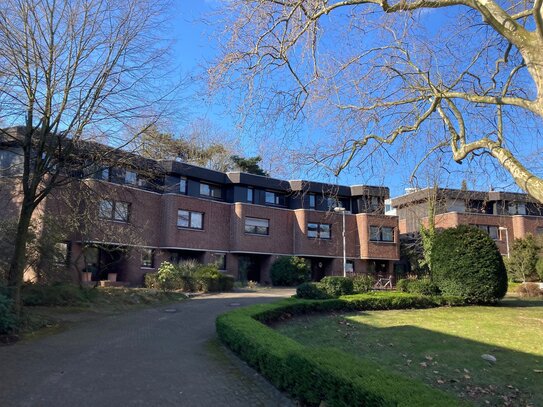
(464, 81)
(70, 72)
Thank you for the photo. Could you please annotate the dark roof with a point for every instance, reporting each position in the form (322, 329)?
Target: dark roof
(422, 195)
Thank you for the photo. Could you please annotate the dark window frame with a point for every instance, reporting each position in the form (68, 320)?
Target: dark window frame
(381, 235)
(254, 229)
(319, 230)
(250, 194)
(190, 219)
(212, 188)
(113, 212)
(277, 197)
(488, 228)
(183, 181)
(145, 261)
(312, 201)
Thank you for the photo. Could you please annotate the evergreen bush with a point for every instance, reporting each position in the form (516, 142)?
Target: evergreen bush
(311, 291)
(466, 263)
(363, 284)
(290, 271)
(336, 286)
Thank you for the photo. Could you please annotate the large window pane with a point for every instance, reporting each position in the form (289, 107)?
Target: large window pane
(121, 211)
(271, 197)
(387, 234)
(375, 233)
(183, 185)
(324, 231)
(196, 220)
(205, 189)
(312, 230)
(183, 219)
(106, 209)
(130, 177)
(257, 226)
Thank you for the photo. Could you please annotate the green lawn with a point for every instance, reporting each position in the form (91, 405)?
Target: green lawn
(443, 347)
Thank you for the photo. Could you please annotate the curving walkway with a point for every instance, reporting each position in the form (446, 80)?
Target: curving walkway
(148, 357)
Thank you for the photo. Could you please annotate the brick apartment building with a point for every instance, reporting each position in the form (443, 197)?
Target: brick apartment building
(146, 212)
(503, 215)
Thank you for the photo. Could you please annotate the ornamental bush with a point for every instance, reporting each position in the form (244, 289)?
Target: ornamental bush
(189, 276)
(363, 284)
(311, 291)
(290, 271)
(466, 263)
(336, 286)
(423, 286)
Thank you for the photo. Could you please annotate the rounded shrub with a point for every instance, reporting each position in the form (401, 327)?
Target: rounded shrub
(466, 263)
(311, 291)
(8, 320)
(363, 284)
(336, 286)
(289, 271)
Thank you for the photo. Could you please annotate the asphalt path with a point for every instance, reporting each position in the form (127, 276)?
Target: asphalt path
(165, 356)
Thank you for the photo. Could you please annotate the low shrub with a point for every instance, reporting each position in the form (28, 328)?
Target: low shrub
(529, 290)
(363, 283)
(55, 295)
(189, 278)
(323, 376)
(336, 286)
(8, 320)
(311, 291)
(423, 286)
(290, 271)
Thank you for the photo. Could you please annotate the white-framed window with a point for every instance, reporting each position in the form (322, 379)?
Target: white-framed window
(257, 226)
(190, 219)
(147, 258)
(381, 234)
(213, 191)
(319, 230)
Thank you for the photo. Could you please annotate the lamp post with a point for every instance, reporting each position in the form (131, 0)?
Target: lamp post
(339, 209)
(506, 238)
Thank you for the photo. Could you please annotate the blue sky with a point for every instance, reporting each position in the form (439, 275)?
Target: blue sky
(194, 46)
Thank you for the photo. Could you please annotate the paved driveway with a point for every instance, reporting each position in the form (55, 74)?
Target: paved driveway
(148, 357)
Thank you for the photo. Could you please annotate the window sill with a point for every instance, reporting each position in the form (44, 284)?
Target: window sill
(257, 234)
(147, 268)
(193, 229)
(382, 241)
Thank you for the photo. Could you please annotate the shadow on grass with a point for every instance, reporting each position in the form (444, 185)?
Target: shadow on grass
(517, 302)
(447, 362)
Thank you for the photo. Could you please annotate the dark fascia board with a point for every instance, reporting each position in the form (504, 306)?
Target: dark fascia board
(423, 195)
(258, 181)
(370, 190)
(194, 171)
(302, 186)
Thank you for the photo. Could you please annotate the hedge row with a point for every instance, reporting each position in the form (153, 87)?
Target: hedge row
(314, 375)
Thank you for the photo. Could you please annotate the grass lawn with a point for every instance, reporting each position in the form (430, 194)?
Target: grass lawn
(443, 347)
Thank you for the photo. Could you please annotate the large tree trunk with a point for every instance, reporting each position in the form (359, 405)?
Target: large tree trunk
(18, 260)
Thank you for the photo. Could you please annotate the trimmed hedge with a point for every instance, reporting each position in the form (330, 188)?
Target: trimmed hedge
(467, 263)
(336, 286)
(311, 291)
(8, 320)
(423, 286)
(314, 375)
